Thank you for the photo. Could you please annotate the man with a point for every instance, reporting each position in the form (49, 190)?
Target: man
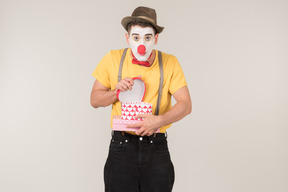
(140, 161)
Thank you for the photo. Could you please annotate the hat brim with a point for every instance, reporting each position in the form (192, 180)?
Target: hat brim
(126, 20)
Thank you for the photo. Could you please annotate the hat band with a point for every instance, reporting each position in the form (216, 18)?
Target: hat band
(148, 19)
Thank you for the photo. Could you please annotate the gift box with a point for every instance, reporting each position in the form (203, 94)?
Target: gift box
(131, 101)
(132, 105)
(120, 124)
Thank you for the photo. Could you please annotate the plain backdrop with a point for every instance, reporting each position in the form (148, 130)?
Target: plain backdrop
(235, 58)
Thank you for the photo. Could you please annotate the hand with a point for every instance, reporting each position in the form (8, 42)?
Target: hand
(148, 126)
(125, 84)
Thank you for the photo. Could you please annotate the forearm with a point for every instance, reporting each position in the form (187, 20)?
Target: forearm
(103, 98)
(151, 123)
(177, 112)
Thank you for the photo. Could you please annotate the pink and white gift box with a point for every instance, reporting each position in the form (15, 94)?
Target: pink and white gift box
(120, 124)
(132, 105)
(131, 101)
(131, 109)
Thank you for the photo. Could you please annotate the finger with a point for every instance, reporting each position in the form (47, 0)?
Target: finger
(127, 84)
(119, 86)
(140, 131)
(134, 125)
(142, 116)
(130, 80)
(122, 87)
(145, 133)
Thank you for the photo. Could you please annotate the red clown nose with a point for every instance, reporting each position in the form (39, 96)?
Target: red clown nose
(141, 49)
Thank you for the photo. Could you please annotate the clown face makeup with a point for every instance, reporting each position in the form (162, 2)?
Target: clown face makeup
(141, 42)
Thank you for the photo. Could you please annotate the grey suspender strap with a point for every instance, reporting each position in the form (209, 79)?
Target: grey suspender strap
(161, 82)
(161, 77)
(121, 65)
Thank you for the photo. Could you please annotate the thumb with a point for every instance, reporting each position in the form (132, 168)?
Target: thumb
(141, 115)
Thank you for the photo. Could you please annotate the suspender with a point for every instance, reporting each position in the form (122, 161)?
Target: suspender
(161, 77)
(161, 82)
(121, 65)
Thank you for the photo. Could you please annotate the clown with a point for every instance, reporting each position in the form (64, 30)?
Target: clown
(139, 160)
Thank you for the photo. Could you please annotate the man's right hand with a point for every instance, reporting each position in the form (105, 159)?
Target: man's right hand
(102, 96)
(125, 84)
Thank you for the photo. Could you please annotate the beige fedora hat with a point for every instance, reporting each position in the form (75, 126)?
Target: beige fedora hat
(145, 14)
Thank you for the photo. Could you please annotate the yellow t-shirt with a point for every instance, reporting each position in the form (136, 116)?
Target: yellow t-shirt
(106, 73)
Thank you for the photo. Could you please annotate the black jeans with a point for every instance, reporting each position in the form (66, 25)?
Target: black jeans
(138, 164)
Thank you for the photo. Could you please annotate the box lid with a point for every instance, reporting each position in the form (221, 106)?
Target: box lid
(136, 94)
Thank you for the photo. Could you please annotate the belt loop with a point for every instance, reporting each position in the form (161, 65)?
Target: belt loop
(123, 133)
(154, 135)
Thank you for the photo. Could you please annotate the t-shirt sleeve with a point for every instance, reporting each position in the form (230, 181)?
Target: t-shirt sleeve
(102, 72)
(177, 80)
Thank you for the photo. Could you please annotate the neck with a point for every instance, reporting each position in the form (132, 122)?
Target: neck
(152, 58)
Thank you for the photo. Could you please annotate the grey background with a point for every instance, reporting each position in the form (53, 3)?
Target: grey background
(234, 56)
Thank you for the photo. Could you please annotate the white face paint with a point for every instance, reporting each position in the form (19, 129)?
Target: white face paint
(144, 37)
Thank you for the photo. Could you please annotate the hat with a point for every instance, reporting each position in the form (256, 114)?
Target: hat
(145, 14)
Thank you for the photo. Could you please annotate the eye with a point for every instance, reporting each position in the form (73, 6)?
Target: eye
(148, 38)
(135, 38)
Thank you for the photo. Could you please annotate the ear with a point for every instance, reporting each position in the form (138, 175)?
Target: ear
(127, 38)
(156, 38)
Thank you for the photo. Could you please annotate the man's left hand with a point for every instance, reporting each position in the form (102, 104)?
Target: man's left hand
(148, 126)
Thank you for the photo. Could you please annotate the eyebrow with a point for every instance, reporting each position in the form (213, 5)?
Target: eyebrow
(150, 34)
